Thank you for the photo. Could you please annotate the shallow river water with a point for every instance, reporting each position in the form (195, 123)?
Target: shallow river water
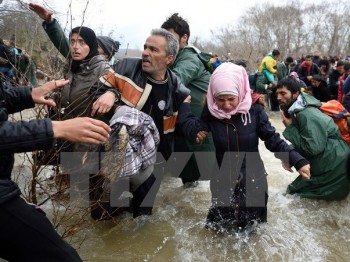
(297, 229)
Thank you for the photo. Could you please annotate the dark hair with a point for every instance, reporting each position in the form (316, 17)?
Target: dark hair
(241, 62)
(275, 52)
(289, 59)
(347, 66)
(317, 78)
(340, 63)
(178, 24)
(308, 56)
(324, 62)
(291, 84)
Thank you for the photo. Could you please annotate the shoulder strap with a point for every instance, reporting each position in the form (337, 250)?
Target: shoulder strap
(204, 57)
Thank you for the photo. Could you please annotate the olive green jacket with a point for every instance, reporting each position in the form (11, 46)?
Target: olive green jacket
(261, 83)
(283, 70)
(315, 136)
(57, 37)
(192, 73)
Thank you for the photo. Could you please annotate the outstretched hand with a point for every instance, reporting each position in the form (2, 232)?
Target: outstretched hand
(41, 11)
(81, 130)
(303, 171)
(39, 94)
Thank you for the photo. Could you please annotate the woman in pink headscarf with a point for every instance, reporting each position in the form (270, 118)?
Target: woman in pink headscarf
(239, 184)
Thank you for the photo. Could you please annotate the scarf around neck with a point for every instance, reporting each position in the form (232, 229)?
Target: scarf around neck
(308, 67)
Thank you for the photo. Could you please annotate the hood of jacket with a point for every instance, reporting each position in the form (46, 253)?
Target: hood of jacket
(303, 101)
(88, 66)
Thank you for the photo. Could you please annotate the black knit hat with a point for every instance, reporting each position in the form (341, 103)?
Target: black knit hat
(89, 37)
(109, 46)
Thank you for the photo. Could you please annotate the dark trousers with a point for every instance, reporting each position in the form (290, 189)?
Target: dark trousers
(232, 210)
(141, 203)
(27, 235)
(274, 106)
(190, 173)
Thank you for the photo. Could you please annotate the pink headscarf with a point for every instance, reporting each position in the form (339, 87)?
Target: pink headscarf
(230, 78)
(294, 75)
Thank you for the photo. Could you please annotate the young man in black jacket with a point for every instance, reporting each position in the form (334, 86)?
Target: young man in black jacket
(26, 233)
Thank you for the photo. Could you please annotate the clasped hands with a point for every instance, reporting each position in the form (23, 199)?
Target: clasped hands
(201, 135)
(304, 171)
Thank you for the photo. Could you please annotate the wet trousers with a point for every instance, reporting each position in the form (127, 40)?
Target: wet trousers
(141, 203)
(230, 206)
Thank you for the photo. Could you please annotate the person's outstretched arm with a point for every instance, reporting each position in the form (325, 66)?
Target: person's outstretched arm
(25, 136)
(281, 149)
(16, 99)
(81, 130)
(52, 28)
(16, 137)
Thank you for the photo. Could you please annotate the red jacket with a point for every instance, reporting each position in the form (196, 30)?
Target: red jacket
(340, 88)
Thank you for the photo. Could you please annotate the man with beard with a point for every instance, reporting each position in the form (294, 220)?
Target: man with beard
(315, 136)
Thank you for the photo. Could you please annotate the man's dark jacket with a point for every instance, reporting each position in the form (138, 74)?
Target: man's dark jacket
(16, 137)
(131, 68)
